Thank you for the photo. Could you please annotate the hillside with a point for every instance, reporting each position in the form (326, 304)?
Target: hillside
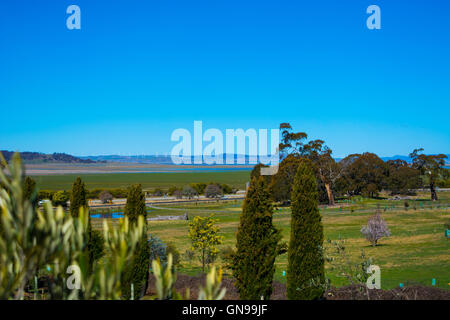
(36, 157)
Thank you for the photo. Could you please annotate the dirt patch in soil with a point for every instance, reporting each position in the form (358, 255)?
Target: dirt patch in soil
(194, 282)
(354, 292)
(414, 292)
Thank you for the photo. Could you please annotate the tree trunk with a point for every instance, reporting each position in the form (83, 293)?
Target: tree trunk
(433, 192)
(329, 194)
(203, 260)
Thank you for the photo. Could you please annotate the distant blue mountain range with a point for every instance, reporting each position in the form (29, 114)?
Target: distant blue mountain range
(35, 157)
(166, 160)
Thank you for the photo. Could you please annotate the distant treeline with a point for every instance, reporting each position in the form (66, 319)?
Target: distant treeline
(190, 190)
(91, 194)
(357, 174)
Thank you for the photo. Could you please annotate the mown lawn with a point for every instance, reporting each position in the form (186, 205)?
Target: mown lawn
(416, 252)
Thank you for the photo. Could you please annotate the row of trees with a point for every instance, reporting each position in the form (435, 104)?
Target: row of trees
(357, 174)
(259, 241)
(90, 193)
(210, 190)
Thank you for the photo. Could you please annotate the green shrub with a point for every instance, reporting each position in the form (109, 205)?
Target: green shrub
(45, 194)
(227, 255)
(189, 255)
(226, 189)
(199, 187)
(158, 249)
(172, 190)
(60, 198)
(172, 249)
(119, 193)
(94, 193)
(96, 245)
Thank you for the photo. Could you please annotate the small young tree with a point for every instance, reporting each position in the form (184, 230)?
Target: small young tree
(105, 196)
(305, 253)
(213, 191)
(204, 237)
(376, 229)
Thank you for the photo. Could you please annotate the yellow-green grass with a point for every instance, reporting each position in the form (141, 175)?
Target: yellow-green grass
(416, 252)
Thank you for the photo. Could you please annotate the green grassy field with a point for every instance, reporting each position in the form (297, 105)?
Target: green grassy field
(236, 179)
(416, 252)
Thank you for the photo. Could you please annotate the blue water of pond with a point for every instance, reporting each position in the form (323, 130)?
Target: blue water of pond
(110, 215)
(113, 215)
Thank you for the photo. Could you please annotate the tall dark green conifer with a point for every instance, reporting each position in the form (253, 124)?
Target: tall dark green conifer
(257, 244)
(78, 198)
(29, 191)
(95, 243)
(135, 203)
(305, 254)
(137, 272)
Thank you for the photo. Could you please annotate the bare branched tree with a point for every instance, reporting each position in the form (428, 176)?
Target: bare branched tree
(376, 229)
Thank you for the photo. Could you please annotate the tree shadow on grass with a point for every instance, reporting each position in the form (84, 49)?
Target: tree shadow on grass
(378, 245)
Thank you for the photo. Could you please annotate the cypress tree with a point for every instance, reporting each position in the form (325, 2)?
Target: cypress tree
(305, 255)
(78, 198)
(29, 191)
(137, 271)
(135, 203)
(257, 244)
(95, 242)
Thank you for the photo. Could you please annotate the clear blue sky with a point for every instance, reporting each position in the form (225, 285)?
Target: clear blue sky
(137, 70)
